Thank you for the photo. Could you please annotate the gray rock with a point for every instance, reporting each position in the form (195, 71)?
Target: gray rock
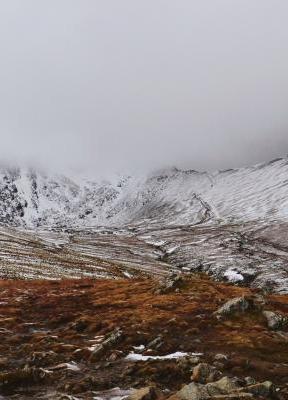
(146, 393)
(221, 388)
(174, 282)
(111, 339)
(224, 385)
(204, 373)
(186, 363)
(264, 389)
(274, 320)
(249, 380)
(156, 343)
(193, 391)
(220, 357)
(236, 305)
(234, 396)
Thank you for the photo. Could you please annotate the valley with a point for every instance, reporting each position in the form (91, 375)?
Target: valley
(173, 286)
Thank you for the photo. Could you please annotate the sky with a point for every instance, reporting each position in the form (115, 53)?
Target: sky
(126, 85)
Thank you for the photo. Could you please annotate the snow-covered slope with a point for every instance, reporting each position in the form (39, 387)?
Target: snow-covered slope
(172, 197)
(230, 224)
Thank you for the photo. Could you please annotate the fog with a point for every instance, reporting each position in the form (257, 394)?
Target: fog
(126, 85)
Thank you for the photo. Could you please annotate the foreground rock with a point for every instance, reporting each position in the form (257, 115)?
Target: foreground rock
(146, 393)
(225, 388)
(204, 373)
(197, 391)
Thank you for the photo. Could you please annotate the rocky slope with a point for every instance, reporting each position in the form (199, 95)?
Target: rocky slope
(191, 338)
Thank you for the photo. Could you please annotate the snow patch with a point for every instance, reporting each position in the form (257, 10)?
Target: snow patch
(233, 276)
(178, 354)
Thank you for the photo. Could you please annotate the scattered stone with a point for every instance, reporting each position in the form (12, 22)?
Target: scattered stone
(193, 391)
(225, 388)
(220, 357)
(234, 396)
(225, 385)
(156, 343)
(275, 321)
(115, 355)
(234, 306)
(249, 380)
(186, 363)
(110, 340)
(204, 373)
(25, 376)
(114, 393)
(72, 366)
(173, 283)
(264, 389)
(218, 365)
(42, 357)
(146, 393)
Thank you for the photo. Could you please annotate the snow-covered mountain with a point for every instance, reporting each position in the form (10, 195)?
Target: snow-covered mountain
(230, 224)
(172, 197)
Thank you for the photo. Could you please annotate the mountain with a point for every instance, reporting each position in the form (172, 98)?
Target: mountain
(229, 224)
(29, 198)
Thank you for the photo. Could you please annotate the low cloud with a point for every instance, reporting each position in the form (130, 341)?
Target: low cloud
(111, 86)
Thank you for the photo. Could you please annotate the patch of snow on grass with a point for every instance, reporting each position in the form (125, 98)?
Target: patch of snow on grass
(233, 276)
(178, 354)
(139, 348)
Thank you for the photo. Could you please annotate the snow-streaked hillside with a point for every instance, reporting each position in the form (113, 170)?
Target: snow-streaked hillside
(172, 197)
(230, 224)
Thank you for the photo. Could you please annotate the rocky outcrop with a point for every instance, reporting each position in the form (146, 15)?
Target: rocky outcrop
(146, 393)
(172, 283)
(111, 339)
(234, 306)
(275, 321)
(204, 373)
(264, 389)
(224, 388)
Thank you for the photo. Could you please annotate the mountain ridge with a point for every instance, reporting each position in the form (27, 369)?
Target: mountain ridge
(32, 199)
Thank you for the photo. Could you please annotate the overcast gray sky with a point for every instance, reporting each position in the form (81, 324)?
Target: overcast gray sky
(107, 84)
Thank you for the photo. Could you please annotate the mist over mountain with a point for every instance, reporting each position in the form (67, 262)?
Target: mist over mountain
(167, 197)
(101, 88)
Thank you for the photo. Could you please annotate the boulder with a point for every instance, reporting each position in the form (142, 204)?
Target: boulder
(265, 389)
(193, 391)
(146, 393)
(220, 357)
(274, 320)
(221, 388)
(224, 385)
(156, 343)
(249, 380)
(204, 373)
(234, 306)
(173, 283)
(110, 340)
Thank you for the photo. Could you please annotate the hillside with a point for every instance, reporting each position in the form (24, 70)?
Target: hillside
(170, 197)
